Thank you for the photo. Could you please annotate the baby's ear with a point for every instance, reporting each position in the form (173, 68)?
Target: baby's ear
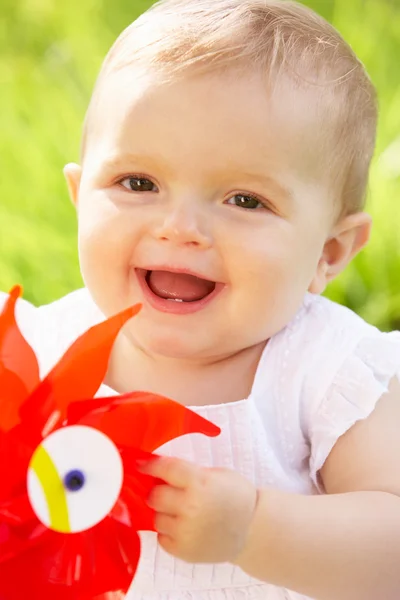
(72, 173)
(348, 237)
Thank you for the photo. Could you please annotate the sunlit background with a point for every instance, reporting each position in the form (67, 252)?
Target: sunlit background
(50, 53)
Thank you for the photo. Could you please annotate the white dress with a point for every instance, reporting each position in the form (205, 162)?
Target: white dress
(318, 376)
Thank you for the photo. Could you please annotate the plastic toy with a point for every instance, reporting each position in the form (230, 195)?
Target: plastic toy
(71, 498)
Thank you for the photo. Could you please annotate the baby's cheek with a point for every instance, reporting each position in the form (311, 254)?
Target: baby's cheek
(104, 244)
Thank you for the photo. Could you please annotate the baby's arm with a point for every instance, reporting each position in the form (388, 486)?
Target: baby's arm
(345, 545)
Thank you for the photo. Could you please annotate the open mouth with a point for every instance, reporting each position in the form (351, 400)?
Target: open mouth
(178, 287)
(177, 292)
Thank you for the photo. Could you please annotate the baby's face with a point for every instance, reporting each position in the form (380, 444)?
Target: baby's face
(202, 177)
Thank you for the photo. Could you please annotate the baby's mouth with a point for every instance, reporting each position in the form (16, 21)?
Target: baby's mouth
(178, 287)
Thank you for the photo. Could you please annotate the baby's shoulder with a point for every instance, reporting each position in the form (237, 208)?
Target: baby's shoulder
(322, 334)
(346, 368)
(319, 319)
(327, 342)
(327, 355)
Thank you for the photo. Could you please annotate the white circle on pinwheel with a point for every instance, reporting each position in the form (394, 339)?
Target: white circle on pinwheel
(74, 479)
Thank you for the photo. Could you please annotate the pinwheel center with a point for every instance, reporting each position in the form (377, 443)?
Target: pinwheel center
(74, 480)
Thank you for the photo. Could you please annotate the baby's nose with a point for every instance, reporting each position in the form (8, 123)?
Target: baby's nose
(184, 226)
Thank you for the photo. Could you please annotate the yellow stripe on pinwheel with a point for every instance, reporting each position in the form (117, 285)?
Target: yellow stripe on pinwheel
(53, 490)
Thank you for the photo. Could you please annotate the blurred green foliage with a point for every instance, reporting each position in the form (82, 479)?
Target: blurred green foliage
(50, 53)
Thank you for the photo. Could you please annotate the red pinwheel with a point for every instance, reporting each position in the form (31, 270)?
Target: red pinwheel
(71, 497)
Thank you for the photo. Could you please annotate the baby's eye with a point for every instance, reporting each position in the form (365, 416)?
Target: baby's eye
(138, 184)
(245, 201)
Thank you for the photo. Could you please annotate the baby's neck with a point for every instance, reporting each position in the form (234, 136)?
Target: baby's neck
(192, 384)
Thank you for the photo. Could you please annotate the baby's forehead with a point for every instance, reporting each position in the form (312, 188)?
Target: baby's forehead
(111, 86)
(122, 94)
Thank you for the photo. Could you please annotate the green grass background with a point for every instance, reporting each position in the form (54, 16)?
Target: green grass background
(50, 53)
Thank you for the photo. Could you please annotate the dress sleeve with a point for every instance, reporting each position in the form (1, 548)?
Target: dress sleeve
(361, 380)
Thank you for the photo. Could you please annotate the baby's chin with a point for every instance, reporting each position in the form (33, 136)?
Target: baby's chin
(176, 343)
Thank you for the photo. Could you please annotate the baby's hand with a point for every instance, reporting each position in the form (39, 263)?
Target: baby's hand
(202, 515)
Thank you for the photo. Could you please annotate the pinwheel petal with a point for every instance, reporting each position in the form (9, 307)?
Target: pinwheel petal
(85, 411)
(116, 556)
(16, 540)
(129, 548)
(41, 572)
(95, 565)
(77, 375)
(147, 421)
(19, 370)
(131, 509)
(14, 461)
(16, 511)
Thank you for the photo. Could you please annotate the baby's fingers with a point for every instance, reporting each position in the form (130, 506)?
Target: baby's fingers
(166, 499)
(165, 525)
(178, 473)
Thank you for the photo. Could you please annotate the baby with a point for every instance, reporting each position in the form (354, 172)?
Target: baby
(225, 159)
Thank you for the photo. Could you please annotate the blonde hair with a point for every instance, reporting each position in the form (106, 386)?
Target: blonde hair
(281, 39)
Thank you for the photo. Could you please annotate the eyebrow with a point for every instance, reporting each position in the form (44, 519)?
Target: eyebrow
(118, 160)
